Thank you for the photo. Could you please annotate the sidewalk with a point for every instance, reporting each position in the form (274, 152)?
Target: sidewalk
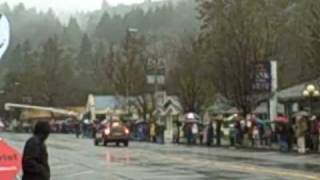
(225, 145)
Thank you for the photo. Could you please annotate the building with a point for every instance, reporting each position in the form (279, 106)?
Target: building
(290, 101)
(98, 106)
(169, 111)
(293, 99)
(224, 107)
(36, 114)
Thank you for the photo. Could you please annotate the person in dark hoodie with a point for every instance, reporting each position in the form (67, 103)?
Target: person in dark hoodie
(35, 156)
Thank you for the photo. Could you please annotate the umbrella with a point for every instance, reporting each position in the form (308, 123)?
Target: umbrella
(232, 118)
(140, 121)
(104, 121)
(262, 122)
(301, 113)
(191, 118)
(281, 119)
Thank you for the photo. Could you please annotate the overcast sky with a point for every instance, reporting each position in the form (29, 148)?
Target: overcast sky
(63, 5)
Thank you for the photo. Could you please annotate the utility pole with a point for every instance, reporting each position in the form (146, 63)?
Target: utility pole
(130, 31)
(156, 85)
(273, 102)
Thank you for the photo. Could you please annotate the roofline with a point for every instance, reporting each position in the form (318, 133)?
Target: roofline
(101, 95)
(300, 83)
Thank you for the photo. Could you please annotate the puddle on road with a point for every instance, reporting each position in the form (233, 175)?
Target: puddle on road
(307, 167)
(118, 157)
(315, 168)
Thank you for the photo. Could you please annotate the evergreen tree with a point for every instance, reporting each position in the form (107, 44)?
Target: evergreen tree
(72, 34)
(53, 75)
(102, 27)
(102, 83)
(85, 54)
(85, 64)
(16, 59)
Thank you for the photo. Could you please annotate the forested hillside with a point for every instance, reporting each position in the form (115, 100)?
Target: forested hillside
(80, 42)
(206, 46)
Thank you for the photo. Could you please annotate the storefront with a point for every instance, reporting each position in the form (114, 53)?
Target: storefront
(294, 99)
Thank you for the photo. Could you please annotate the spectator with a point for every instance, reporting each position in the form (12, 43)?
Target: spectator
(255, 136)
(77, 129)
(314, 134)
(195, 132)
(318, 128)
(210, 134)
(218, 132)
(301, 129)
(268, 135)
(188, 133)
(153, 132)
(160, 129)
(35, 156)
(232, 135)
(261, 134)
(282, 131)
(238, 133)
(246, 133)
(290, 136)
(202, 133)
(178, 126)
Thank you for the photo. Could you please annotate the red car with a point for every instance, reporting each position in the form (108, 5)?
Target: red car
(113, 131)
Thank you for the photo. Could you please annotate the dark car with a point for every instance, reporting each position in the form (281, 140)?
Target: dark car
(112, 131)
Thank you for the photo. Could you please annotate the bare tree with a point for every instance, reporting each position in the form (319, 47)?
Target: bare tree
(308, 38)
(146, 106)
(125, 65)
(126, 71)
(237, 34)
(189, 78)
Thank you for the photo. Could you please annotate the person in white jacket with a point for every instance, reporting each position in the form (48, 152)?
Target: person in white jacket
(195, 131)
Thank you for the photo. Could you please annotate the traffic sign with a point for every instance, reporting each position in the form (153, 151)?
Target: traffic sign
(10, 161)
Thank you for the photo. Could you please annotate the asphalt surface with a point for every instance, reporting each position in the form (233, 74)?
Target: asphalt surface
(79, 159)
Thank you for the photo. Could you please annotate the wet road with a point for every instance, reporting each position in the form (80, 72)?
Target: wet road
(78, 159)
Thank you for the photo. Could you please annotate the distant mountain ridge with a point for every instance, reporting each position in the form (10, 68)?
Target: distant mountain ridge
(120, 9)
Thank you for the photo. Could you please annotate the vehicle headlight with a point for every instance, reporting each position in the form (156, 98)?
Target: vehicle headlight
(107, 131)
(126, 130)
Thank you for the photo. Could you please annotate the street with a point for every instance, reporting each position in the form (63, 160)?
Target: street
(79, 159)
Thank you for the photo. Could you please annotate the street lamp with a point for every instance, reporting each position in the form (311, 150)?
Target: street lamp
(311, 91)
